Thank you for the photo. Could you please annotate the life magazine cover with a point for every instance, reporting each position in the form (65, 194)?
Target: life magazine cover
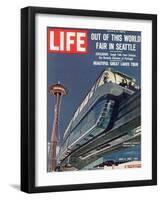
(94, 99)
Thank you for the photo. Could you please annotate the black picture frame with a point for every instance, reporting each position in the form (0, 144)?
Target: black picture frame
(28, 98)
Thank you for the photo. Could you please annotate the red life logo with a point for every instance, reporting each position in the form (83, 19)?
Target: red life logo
(70, 41)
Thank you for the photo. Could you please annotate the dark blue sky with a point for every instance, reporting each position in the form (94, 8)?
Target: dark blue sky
(77, 74)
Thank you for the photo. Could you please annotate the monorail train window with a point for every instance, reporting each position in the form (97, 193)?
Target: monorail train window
(123, 82)
(122, 79)
(107, 77)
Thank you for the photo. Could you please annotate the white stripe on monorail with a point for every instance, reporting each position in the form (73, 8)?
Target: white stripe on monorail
(79, 138)
(82, 135)
(94, 126)
(107, 147)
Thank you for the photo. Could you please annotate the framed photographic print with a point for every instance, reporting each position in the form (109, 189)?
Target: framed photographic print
(88, 99)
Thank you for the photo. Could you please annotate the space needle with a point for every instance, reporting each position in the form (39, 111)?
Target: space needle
(58, 90)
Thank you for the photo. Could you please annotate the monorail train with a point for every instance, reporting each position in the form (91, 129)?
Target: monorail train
(101, 111)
